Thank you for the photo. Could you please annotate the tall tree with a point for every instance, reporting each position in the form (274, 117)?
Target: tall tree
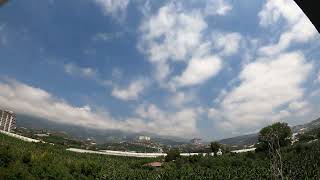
(272, 138)
(276, 132)
(215, 146)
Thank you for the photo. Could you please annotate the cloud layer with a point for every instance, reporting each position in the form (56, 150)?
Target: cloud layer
(36, 102)
(265, 86)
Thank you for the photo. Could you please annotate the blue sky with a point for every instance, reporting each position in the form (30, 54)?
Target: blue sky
(185, 68)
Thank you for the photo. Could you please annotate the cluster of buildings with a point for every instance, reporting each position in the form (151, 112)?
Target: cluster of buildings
(7, 120)
(144, 138)
(196, 141)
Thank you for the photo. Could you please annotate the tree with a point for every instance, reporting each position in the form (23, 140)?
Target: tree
(172, 154)
(272, 138)
(215, 146)
(276, 132)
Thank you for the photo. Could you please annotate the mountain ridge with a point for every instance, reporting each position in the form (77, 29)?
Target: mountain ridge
(250, 139)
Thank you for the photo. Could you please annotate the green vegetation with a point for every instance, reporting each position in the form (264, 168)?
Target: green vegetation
(309, 135)
(278, 134)
(172, 155)
(55, 138)
(22, 160)
(215, 146)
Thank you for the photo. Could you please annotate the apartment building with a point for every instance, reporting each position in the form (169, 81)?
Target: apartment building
(7, 120)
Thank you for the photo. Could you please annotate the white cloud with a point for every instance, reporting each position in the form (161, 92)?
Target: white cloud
(298, 27)
(214, 113)
(94, 75)
(198, 71)
(144, 7)
(132, 92)
(75, 70)
(116, 8)
(266, 85)
(299, 107)
(176, 34)
(272, 11)
(171, 35)
(28, 100)
(179, 99)
(171, 123)
(317, 80)
(227, 43)
(162, 70)
(302, 32)
(217, 7)
(220, 96)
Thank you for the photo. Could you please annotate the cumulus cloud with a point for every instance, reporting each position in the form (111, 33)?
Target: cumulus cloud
(302, 32)
(227, 43)
(266, 85)
(33, 101)
(171, 35)
(132, 92)
(273, 11)
(298, 27)
(198, 71)
(177, 34)
(217, 7)
(116, 8)
(36, 102)
(76, 70)
(171, 123)
(179, 99)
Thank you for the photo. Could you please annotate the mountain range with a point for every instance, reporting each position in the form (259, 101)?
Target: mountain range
(104, 136)
(82, 133)
(251, 139)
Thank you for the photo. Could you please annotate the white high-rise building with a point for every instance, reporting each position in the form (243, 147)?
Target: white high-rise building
(7, 120)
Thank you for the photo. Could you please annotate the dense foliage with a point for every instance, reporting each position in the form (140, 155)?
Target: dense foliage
(309, 135)
(215, 146)
(277, 134)
(172, 155)
(21, 160)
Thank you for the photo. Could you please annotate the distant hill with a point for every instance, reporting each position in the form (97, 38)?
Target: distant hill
(308, 126)
(106, 136)
(82, 133)
(241, 140)
(253, 138)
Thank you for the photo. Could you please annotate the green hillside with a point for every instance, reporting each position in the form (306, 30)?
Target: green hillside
(21, 160)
